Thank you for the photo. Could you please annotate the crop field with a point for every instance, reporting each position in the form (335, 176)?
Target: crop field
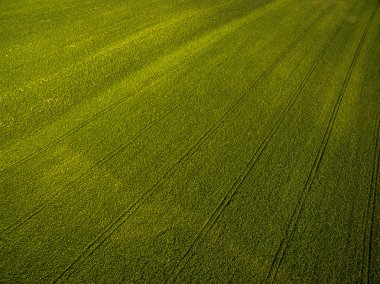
(189, 141)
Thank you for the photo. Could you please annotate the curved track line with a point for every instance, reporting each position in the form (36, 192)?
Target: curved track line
(293, 223)
(131, 209)
(200, 54)
(87, 121)
(367, 250)
(147, 83)
(99, 163)
(252, 162)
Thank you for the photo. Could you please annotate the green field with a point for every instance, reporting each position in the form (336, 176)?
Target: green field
(187, 141)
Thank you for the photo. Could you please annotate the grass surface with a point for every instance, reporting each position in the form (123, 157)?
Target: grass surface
(190, 141)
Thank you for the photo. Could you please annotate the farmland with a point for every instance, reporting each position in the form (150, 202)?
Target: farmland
(188, 141)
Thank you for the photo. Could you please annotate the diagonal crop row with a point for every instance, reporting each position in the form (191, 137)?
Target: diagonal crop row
(96, 165)
(104, 52)
(89, 120)
(200, 54)
(293, 223)
(103, 111)
(109, 230)
(209, 224)
(103, 160)
(370, 215)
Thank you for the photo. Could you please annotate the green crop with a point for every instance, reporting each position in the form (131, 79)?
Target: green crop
(189, 141)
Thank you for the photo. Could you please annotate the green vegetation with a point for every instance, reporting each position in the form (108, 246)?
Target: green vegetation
(190, 141)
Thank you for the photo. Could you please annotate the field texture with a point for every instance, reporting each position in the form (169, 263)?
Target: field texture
(186, 141)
